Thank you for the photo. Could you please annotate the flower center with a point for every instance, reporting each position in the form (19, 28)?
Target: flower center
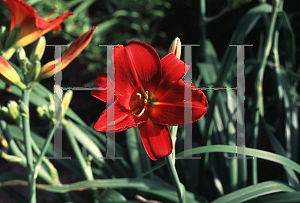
(140, 103)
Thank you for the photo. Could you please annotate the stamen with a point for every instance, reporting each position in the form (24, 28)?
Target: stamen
(141, 113)
(146, 97)
(139, 94)
(145, 101)
(51, 13)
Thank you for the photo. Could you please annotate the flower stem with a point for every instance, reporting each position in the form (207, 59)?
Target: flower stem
(17, 152)
(44, 149)
(86, 169)
(87, 173)
(259, 86)
(28, 148)
(175, 179)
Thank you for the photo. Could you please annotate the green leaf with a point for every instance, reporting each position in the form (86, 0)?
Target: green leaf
(139, 159)
(85, 141)
(102, 184)
(281, 197)
(83, 7)
(289, 40)
(277, 147)
(105, 27)
(248, 152)
(254, 191)
(158, 188)
(110, 195)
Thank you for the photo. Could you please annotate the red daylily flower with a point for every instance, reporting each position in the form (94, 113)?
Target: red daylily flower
(149, 93)
(32, 25)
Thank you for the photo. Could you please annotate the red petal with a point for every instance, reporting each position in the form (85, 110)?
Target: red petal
(101, 82)
(173, 69)
(156, 139)
(70, 54)
(122, 120)
(169, 105)
(135, 65)
(32, 25)
(77, 46)
(19, 10)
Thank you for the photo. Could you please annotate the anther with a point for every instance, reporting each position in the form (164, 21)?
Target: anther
(145, 101)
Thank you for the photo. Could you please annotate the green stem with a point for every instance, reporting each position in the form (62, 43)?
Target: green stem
(11, 143)
(203, 28)
(77, 151)
(28, 148)
(259, 85)
(44, 148)
(16, 151)
(175, 178)
(86, 169)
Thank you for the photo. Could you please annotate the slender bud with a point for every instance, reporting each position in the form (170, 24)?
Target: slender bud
(41, 110)
(10, 158)
(3, 36)
(3, 142)
(38, 49)
(51, 107)
(9, 75)
(13, 109)
(21, 55)
(47, 111)
(66, 101)
(13, 37)
(4, 111)
(24, 110)
(34, 71)
(175, 47)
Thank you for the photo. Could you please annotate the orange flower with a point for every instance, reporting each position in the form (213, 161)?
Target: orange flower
(32, 25)
(70, 54)
(9, 75)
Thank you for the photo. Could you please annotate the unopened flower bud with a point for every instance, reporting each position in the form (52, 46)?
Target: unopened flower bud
(51, 107)
(4, 111)
(47, 111)
(3, 142)
(41, 111)
(175, 47)
(9, 75)
(38, 49)
(10, 158)
(13, 109)
(24, 110)
(34, 71)
(13, 37)
(21, 56)
(66, 101)
(3, 36)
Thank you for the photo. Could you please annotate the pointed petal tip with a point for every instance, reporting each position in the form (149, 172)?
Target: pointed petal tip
(156, 139)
